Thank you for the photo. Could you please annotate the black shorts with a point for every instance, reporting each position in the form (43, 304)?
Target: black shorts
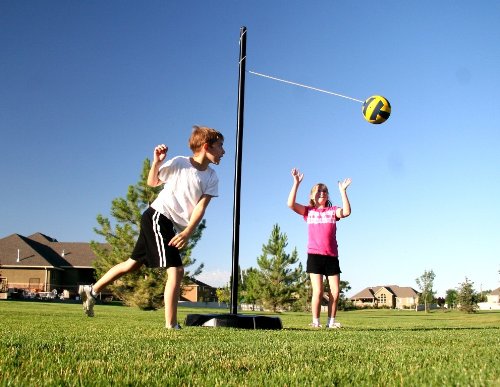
(323, 264)
(151, 248)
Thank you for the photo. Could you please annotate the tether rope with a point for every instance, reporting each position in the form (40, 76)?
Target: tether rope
(305, 86)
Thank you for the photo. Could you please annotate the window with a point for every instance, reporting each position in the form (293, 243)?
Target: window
(382, 299)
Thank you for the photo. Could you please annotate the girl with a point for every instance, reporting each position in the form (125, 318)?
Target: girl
(322, 253)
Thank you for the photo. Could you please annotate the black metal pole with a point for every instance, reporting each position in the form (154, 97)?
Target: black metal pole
(233, 319)
(237, 173)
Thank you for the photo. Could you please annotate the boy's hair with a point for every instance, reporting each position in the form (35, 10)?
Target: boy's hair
(315, 189)
(203, 135)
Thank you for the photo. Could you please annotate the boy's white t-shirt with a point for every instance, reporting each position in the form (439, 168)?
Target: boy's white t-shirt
(184, 186)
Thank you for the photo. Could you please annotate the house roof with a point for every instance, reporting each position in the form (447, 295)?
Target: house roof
(495, 292)
(41, 250)
(398, 291)
(199, 283)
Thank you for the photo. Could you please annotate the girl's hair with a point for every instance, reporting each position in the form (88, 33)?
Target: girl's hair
(203, 135)
(315, 189)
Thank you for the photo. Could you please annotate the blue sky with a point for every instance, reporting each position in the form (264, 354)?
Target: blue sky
(88, 88)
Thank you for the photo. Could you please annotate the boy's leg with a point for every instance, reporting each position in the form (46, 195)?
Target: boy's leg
(116, 272)
(317, 293)
(172, 294)
(88, 292)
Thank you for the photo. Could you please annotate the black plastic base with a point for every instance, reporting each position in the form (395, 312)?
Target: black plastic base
(243, 321)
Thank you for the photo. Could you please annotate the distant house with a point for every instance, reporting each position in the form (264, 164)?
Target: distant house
(493, 301)
(39, 263)
(197, 291)
(392, 296)
(494, 296)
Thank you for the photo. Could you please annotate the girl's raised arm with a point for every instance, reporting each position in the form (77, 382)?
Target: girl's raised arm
(297, 179)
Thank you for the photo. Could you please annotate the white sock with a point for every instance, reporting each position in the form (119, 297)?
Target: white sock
(331, 320)
(316, 321)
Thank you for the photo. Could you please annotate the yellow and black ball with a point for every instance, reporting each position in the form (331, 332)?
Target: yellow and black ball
(376, 109)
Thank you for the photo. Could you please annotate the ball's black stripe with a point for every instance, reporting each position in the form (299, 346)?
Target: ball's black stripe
(366, 104)
(384, 114)
(376, 110)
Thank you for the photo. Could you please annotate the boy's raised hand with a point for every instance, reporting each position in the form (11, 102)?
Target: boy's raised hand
(160, 153)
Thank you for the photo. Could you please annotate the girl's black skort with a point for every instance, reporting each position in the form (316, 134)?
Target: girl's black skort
(323, 264)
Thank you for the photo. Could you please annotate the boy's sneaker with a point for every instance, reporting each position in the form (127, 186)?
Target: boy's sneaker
(176, 327)
(334, 325)
(315, 325)
(85, 292)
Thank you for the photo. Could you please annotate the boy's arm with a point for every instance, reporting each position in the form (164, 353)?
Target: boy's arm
(345, 211)
(160, 153)
(180, 240)
(297, 178)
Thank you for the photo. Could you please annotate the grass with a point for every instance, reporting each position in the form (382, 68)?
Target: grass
(49, 344)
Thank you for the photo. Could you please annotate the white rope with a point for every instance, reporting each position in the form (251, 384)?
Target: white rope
(307, 87)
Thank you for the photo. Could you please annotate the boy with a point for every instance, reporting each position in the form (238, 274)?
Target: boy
(190, 184)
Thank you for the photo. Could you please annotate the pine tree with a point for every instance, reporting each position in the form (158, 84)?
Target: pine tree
(303, 293)
(278, 280)
(143, 288)
(250, 286)
(466, 297)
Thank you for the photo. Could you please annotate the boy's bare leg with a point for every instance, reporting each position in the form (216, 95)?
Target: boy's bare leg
(172, 294)
(88, 293)
(116, 272)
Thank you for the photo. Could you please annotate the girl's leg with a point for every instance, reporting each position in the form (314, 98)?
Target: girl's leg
(317, 294)
(116, 272)
(333, 295)
(172, 294)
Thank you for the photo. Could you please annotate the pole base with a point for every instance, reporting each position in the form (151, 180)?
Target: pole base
(242, 321)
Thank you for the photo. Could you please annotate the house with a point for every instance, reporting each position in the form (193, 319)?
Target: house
(39, 263)
(392, 296)
(493, 301)
(494, 296)
(197, 291)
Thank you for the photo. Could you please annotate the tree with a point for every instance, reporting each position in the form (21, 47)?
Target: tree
(425, 282)
(277, 279)
(451, 298)
(223, 294)
(303, 294)
(250, 286)
(467, 300)
(482, 296)
(143, 288)
(344, 302)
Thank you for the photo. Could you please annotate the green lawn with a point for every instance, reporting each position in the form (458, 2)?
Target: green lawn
(55, 344)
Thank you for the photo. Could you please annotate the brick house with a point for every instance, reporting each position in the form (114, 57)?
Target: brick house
(197, 291)
(39, 263)
(392, 296)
